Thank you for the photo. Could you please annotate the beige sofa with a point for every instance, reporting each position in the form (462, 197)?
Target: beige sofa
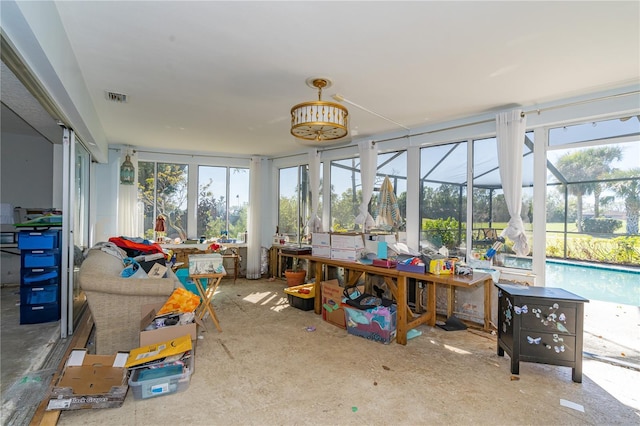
(115, 301)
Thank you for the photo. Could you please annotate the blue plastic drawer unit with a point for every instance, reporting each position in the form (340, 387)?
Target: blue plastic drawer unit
(39, 258)
(38, 295)
(29, 240)
(35, 314)
(39, 275)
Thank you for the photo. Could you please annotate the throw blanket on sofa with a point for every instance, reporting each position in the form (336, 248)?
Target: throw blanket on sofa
(136, 247)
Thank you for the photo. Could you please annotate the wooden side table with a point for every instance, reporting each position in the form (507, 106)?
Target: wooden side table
(213, 281)
(236, 261)
(541, 324)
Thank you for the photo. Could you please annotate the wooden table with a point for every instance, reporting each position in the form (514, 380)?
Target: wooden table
(236, 260)
(397, 283)
(213, 281)
(451, 281)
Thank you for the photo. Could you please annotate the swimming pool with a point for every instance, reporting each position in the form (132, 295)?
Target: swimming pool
(594, 282)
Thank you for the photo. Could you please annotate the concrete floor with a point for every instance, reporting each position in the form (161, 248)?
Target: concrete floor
(266, 368)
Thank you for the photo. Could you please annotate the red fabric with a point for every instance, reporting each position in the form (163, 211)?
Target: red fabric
(125, 244)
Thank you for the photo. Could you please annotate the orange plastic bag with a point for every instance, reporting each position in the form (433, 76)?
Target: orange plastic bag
(180, 301)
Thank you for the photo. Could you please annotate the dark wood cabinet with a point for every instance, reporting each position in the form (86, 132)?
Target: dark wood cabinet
(541, 324)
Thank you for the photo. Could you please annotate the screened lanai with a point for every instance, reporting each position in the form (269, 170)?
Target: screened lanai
(591, 202)
(592, 194)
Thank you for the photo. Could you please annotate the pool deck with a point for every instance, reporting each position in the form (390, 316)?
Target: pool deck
(612, 331)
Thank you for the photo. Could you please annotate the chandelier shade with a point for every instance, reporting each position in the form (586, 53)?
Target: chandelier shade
(319, 120)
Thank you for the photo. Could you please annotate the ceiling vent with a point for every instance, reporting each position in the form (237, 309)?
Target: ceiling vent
(117, 97)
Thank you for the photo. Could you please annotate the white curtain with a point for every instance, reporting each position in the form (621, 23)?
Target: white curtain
(314, 224)
(510, 127)
(368, 166)
(128, 215)
(254, 248)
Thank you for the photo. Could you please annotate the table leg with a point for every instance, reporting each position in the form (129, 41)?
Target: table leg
(487, 303)
(317, 303)
(401, 314)
(451, 300)
(207, 295)
(431, 302)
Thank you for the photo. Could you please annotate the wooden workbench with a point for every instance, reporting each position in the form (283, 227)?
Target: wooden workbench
(397, 283)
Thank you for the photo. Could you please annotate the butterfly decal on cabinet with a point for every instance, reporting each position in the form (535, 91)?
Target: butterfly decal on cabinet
(521, 310)
(534, 341)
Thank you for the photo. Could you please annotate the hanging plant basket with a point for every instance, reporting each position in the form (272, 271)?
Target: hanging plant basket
(295, 278)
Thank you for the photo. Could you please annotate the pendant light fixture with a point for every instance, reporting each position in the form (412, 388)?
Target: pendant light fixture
(127, 171)
(319, 120)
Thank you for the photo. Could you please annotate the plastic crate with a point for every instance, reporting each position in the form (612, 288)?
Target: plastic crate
(303, 301)
(151, 382)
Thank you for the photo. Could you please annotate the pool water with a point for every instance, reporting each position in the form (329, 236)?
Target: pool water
(594, 282)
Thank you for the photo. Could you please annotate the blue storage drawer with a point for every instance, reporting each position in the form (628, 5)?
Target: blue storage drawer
(35, 314)
(39, 276)
(39, 258)
(38, 295)
(29, 240)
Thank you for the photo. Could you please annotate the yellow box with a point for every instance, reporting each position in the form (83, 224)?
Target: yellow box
(442, 266)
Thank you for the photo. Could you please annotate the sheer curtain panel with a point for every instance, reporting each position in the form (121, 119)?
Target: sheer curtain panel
(368, 164)
(253, 220)
(510, 130)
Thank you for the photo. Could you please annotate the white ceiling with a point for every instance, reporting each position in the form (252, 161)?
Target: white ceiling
(213, 76)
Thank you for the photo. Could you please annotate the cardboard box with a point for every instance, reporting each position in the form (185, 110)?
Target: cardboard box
(321, 251)
(332, 298)
(442, 266)
(347, 241)
(90, 381)
(209, 263)
(163, 334)
(332, 311)
(158, 352)
(321, 239)
(347, 254)
(410, 264)
(377, 324)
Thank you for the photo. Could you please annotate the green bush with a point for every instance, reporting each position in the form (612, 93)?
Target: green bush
(442, 231)
(600, 225)
(623, 250)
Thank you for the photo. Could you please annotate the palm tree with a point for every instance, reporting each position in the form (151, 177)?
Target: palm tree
(581, 169)
(601, 168)
(629, 190)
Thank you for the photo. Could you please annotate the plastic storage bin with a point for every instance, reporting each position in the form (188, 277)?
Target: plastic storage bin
(304, 301)
(151, 382)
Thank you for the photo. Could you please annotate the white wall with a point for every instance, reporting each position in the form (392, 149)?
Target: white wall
(26, 171)
(26, 174)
